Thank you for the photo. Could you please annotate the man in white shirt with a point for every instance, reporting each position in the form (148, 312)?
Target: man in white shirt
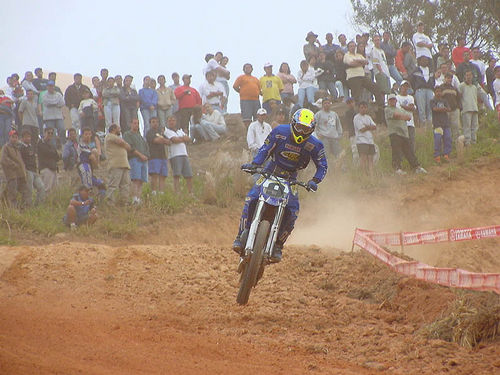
(212, 92)
(476, 56)
(363, 127)
(258, 132)
(407, 102)
(440, 74)
(216, 118)
(380, 67)
(177, 154)
(422, 42)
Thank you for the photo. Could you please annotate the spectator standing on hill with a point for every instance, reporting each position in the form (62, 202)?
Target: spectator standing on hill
(457, 55)
(468, 94)
(137, 157)
(271, 87)
(157, 163)
(356, 79)
(329, 48)
(175, 79)
(248, 87)
(452, 96)
(326, 80)
(149, 102)
(343, 42)
(73, 97)
(396, 119)
(380, 67)
(33, 179)
(53, 103)
(490, 77)
(88, 110)
(13, 169)
(111, 102)
(407, 102)
(390, 53)
(119, 167)
(166, 101)
(363, 127)
(47, 160)
(212, 92)
(177, 154)
(70, 151)
(441, 125)
(340, 75)
(39, 82)
(306, 78)
(88, 157)
(468, 66)
(406, 63)
(288, 80)
(440, 74)
(423, 44)
(310, 49)
(28, 113)
(423, 83)
(481, 66)
(328, 128)
(129, 102)
(444, 57)
(188, 97)
(27, 83)
(223, 79)
(257, 132)
(81, 209)
(6, 116)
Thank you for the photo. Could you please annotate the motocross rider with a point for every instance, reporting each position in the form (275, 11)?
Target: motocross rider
(289, 148)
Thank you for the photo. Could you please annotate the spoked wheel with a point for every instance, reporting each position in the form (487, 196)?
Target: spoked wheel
(249, 276)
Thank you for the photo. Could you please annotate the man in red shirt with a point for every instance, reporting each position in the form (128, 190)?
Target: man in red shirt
(187, 98)
(458, 52)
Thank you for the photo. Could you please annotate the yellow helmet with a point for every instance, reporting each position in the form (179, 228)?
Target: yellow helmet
(302, 125)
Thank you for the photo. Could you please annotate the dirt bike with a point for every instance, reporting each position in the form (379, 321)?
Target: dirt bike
(268, 214)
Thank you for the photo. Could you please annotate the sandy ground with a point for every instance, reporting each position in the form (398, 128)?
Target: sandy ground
(165, 303)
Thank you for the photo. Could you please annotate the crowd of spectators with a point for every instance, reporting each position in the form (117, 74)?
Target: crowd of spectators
(444, 90)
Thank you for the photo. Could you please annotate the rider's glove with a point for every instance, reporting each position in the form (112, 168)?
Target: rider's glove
(311, 185)
(249, 166)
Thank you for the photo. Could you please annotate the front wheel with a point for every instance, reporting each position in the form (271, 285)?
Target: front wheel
(249, 276)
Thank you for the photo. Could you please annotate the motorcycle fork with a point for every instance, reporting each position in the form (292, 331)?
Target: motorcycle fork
(255, 224)
(273, 233)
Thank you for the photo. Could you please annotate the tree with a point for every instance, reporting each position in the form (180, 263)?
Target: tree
(445, 20)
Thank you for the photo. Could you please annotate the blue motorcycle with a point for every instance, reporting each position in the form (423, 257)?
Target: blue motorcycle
(268, 215)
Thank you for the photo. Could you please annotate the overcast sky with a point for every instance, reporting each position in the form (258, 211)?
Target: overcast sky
(151, 37)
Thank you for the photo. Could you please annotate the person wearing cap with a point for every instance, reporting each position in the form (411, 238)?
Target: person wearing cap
(73, 97)
(310, 49)
(188, 97)
(257, 132)
(396, 119)
(53, 103)
(14, 170)
(248, 87)
(81, 209)
(271, 87)
(423, 44)
(407, 102)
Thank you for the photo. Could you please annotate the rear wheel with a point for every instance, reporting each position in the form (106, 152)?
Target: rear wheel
(251, 271)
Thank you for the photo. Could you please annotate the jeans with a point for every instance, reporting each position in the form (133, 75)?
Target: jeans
(341, 89)
(146, 115)
(111, 114)
(75, 119)
(34, 181)
(329, 87)
(5, 126)
(423, 100)
(394, 72)
(307, 92)
(204, 131)
(163, 114)
(469, 126)
(442, 142)
(401, 146)
(61, 131)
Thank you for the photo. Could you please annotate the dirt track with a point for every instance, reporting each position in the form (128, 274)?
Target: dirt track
(75, 308)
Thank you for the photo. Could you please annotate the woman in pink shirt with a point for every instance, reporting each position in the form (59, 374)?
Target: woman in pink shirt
(288, 81)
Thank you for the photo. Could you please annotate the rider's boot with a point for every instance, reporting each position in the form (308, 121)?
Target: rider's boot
(240, 242)
(276, 256)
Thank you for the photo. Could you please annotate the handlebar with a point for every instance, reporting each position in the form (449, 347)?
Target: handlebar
(260, 170)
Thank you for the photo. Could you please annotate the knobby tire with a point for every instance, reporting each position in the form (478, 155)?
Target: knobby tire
(252, 269)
